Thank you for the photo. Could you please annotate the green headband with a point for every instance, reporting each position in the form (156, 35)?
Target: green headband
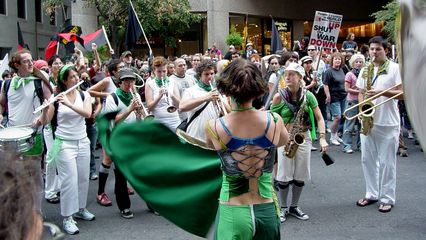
(62, 72)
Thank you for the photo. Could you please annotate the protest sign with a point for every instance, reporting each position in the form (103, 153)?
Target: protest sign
(325, 29)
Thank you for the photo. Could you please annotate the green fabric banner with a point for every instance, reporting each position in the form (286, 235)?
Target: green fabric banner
(180, 181)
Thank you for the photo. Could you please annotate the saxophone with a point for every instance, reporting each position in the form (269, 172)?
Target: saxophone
(366, 119)
(296, 137)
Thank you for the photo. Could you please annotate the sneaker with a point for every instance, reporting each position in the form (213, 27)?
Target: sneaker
(84, 214)
(297, 212)
(93, 176)
(334, 141)
(403, 153)
(283, 214)
(314, 148)
(54, 200)
(339, 139)
(130, 191)
(70, 226)
(349, 151)
(126, 213)
(103, 200)
(410, 135)
(328, 130)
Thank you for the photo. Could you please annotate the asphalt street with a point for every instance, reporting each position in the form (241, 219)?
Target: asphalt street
(329, 199)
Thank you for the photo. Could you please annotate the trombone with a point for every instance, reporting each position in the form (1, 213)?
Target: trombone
(367, 108)
(170, 108)
(219, 105)
(144, 113)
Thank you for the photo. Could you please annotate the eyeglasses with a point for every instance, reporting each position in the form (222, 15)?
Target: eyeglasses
(27, 61)
(311, 49)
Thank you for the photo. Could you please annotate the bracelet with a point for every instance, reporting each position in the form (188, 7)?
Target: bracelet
(322, 135)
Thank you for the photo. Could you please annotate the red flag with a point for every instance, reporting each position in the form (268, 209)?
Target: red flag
(98, 37)
(50, 49)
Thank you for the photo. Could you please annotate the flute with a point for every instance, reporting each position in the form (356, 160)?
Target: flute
(45, 105)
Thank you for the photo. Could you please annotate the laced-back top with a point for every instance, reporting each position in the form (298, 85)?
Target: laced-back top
(246, 158)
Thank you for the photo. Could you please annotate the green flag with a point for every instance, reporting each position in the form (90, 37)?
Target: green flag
(180, 181)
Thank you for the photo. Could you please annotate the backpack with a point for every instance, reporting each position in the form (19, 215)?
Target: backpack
(37, 86)
(54, 121)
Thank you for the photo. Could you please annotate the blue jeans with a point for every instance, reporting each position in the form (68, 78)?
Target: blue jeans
(92, 135)
(349, 127)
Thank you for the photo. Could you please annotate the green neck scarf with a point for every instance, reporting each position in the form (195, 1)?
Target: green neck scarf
(160, 83)
(17, 81)
(126, 98)
(204, 86)
(369, 72)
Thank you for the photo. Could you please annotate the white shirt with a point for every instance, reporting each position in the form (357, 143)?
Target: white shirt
(111, 86)
(197, 127)
(71, 125)
(21, 104)
(183, 83)
(388, 113)
(110, 106)
(191, 71)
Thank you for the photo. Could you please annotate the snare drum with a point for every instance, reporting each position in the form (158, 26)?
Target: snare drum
(19, 138)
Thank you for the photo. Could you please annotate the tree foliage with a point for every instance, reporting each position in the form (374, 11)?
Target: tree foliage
(388, 16)
(168, 18)
(234, 38)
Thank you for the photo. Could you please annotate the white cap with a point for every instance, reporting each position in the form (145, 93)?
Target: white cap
(296, 67)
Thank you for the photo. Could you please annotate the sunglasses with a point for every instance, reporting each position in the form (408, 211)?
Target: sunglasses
(311, 49)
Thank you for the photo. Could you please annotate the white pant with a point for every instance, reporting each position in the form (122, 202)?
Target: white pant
(378, 160)
(73, 162)
(52, 184)
(298, 167)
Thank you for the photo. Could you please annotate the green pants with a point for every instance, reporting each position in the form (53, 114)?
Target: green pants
(258, 222)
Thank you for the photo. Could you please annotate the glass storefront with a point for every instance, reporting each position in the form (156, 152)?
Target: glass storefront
(260, 31)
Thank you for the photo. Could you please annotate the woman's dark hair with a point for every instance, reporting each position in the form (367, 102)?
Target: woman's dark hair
(286, 56)
(64, 72)
(203, 66)
(16, 196)
(52, 59)
(242, 80)
(112, 66)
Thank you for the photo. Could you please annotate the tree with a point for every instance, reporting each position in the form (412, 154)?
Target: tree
(388, 16)
(234, 38)
(168, 18)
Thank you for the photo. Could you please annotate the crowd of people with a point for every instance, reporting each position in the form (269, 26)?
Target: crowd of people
(245, 106)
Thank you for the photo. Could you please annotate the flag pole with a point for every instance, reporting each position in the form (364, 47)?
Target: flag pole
(143, 32)
(57, 49)
(107, 40)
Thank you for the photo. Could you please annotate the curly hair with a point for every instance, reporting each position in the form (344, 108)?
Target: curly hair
(242, 80)
(204, 65)
(16, 58)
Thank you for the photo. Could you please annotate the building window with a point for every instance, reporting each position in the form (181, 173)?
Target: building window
(4, 51)
(22, 9)
(3, 7)
(52, 18)
(38, 11)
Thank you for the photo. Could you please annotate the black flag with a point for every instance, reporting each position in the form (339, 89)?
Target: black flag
(276, 44)
(133, 31)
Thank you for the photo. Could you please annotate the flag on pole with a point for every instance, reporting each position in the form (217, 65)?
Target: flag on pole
(51, 49)
(21, 43)
(71, 37)
(69, 28)
(133, 30)
(98, 37)
(276, 43)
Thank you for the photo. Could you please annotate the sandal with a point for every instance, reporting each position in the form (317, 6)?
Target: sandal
(365, 202)
(384, 208)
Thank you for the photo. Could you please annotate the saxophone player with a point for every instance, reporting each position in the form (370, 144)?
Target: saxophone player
(295, 170)
(379, 145)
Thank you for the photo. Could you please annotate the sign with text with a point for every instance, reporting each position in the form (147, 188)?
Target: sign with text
(325, 29)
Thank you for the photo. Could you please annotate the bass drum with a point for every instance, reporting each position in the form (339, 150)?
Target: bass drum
(20, 139)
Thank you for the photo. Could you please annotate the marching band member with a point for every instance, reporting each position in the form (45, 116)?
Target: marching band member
(123, 102)
(246, 140)
(294, 104)
(161, 95)
(379, 146)
(195, 97)
(71, 148)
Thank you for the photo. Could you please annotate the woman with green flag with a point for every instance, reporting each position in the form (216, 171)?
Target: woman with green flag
(246, 141)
